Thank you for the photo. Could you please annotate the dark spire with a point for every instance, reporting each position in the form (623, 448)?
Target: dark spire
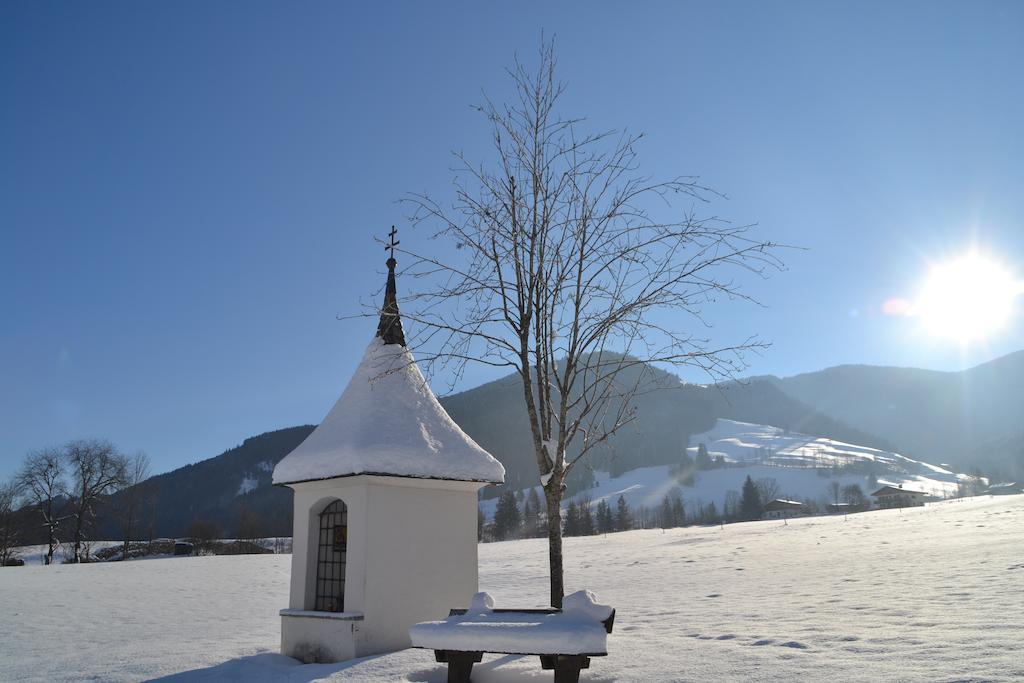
(390, 327)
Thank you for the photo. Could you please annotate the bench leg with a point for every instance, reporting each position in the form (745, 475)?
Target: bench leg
(567, 667)
(460, 664)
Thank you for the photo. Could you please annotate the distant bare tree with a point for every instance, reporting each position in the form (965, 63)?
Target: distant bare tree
(767, 488)
(203, 532)
(41, 479)
(150, 509)
(577, 272)
(834, 488)
(250, 525)
(10, 524)
(131, 503)
(97, 469)
(731, 507)
(854, 495)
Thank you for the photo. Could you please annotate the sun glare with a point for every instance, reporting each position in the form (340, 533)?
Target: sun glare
(968, 298)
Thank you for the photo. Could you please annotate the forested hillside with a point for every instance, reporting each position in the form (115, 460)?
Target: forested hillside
(233, 490)
(971, 419)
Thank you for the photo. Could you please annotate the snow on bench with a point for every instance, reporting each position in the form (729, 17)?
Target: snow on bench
(564, 639)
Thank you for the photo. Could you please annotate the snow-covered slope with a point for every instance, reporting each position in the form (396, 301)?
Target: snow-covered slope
(802, 465)
(753, 443)
(923, 594)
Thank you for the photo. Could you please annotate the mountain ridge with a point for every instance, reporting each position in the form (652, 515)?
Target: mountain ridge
(933, 415)
(1011, 356)
(237, 481)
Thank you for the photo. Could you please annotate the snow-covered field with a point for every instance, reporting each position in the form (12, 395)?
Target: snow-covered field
(926, 594)
(802, 465)
(35, 554)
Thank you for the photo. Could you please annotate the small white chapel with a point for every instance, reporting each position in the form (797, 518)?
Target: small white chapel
(385, 516)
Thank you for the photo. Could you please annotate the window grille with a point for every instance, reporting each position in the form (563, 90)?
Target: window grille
(330, 564)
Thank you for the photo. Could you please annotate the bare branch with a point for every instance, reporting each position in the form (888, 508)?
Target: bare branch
(577, 271)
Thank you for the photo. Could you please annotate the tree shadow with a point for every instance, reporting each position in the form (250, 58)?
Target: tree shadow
(270, 666)
(265, 666)
(491, 672)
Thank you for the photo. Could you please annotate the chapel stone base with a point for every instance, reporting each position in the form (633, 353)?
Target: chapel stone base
(320, 637)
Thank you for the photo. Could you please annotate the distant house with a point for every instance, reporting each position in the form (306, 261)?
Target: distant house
(1007, 489)
(780, 508)
(843, 508)
(898, 497)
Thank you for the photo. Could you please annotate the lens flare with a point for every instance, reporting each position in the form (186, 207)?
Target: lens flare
(967, 299)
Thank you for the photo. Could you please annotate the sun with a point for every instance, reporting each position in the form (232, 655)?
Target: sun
(968, 298)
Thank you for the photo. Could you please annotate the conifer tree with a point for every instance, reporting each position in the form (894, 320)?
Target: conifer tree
(711, 514)
(672, 509)
(506, 517)
(703, 459)
(535, 525)
(678, 511)
(623, 516)
(751, 506)
(572, 520)
(605, 519)
(586, 518)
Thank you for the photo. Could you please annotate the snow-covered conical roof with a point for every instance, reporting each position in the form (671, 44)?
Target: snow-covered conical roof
(388, 422)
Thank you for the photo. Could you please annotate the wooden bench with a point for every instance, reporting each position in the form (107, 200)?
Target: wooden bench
(566, 666)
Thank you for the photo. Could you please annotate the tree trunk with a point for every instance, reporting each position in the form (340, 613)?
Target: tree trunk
(78, 535)
(49, 529)
(553, 496)
(128, 524)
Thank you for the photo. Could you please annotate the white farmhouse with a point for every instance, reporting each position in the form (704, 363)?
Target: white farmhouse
(385, 509)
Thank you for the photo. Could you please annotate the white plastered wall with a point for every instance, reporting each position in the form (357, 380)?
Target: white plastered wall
(412, 552)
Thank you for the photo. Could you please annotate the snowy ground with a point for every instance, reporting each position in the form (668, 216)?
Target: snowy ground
(36, 554)
(926, 594)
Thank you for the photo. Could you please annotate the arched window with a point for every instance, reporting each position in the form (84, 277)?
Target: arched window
(330, 561)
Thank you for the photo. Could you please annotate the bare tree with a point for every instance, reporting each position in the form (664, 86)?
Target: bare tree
(854, 495)
(97, 469)
(41, 478)
(131, 503)
(203, 532)
(10, 524)
(767, 488)
(577, 272)
(249, 525)
(150, 510)
(834, 488)
(731, 506)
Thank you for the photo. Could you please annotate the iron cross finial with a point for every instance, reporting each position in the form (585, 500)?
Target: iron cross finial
(392, 242)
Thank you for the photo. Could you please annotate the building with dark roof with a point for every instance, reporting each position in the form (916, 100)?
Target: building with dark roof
(899, 497)
(781, 508)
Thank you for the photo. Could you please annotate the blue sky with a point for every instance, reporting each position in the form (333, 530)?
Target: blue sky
(189, 191)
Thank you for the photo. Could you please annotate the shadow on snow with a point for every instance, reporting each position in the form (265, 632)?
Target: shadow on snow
(270, 666)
